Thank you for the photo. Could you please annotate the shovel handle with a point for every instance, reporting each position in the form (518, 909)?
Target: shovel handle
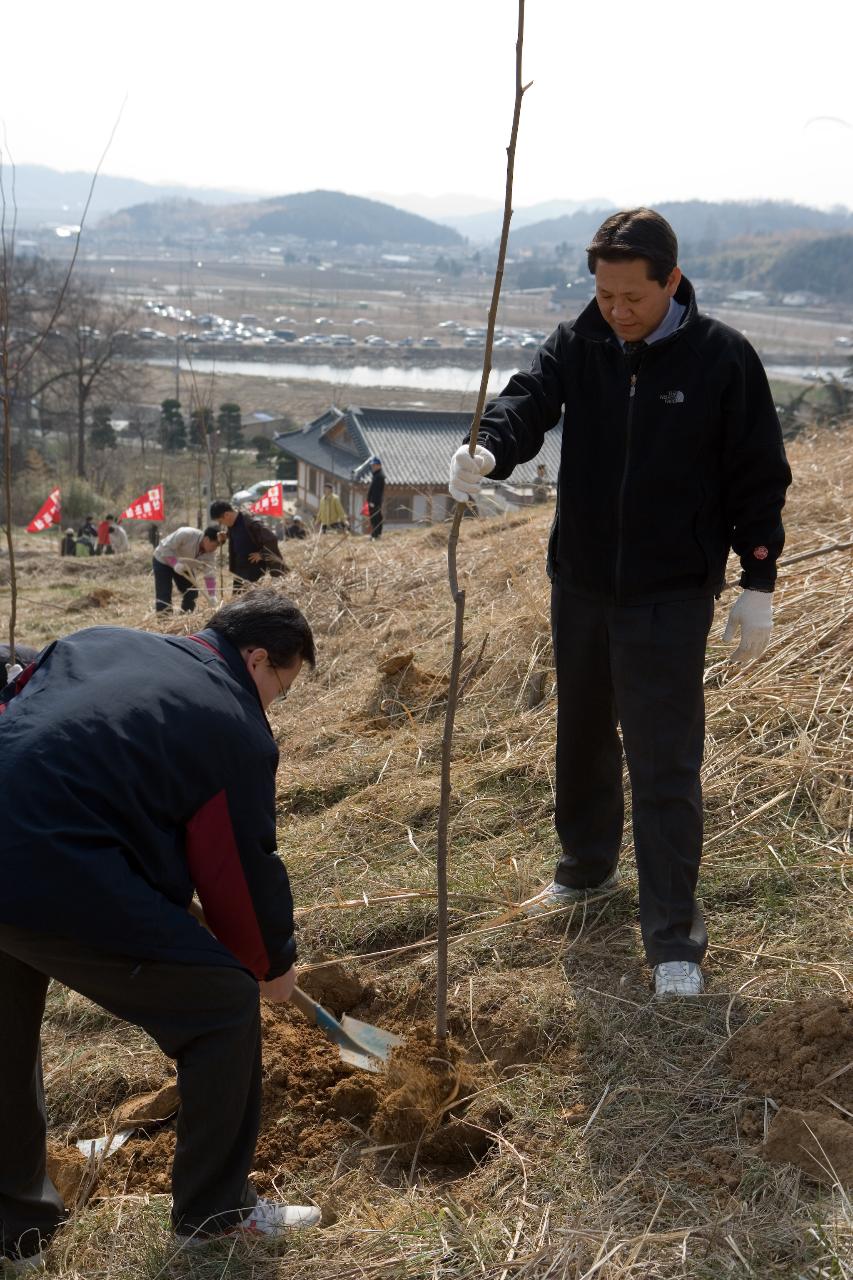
(305, 1004)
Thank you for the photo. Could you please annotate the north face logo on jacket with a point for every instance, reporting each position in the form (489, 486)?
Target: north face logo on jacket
(673, 397)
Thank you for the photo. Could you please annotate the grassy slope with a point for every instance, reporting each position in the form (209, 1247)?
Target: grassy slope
(631, 1151)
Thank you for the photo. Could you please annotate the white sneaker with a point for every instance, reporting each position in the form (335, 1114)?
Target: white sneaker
(678, 978)
(556, 895)
(267, 1218)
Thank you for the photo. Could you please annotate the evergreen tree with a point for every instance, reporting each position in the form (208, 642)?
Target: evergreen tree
(173, 429)
(230, 423)
(102, 435)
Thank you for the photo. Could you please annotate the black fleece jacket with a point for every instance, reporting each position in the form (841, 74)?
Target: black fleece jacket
(669, 457)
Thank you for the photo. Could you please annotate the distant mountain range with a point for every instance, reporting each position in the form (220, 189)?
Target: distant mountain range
(308, 215)
(48, 195)
(148, 210)
(485, 227)
(697, 222)
(481, 220)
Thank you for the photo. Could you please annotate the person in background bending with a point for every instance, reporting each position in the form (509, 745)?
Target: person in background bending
(119, 540)
(180, 560)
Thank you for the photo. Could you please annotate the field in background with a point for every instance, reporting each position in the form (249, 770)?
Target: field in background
(626, 1135)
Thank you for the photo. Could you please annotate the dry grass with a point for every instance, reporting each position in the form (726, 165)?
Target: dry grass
(631, 1151)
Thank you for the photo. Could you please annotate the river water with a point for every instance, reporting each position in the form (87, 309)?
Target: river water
(441, 378)
(415, 378)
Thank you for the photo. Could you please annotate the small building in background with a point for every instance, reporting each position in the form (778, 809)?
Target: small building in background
(415, 446)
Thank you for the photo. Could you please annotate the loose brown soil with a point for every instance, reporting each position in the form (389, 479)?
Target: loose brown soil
(798, 1058)
(148, 1108)
(790, 1055)
(820, 1145)
(66, 1167)
(316, 1107)
(333, 985)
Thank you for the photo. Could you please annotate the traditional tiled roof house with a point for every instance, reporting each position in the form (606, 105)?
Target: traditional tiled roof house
(414, 445)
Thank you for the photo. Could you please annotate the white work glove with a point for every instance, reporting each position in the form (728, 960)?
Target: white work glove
(13, 670)
(180, 568)
(466, 473)
(752, 612)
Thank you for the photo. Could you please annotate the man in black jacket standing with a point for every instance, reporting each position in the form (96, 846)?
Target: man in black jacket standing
(141, 768)
(375, 497)
(252, 548)
(672, 453)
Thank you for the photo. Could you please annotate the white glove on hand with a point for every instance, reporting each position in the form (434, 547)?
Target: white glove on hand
(466, 473)
(13, 670)
(752, 612)
(180, 568)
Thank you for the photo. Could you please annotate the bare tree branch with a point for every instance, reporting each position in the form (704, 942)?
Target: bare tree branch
(9, 378)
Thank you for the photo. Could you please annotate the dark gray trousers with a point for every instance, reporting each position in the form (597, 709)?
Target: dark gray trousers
(641, 667)
(206, 1018)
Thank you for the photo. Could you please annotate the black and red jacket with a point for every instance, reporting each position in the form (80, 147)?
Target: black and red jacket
(134, 769)
(668, 458)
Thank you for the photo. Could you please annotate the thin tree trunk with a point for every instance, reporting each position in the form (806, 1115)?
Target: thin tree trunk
(81, 437)
(453, 538)
(7, 497)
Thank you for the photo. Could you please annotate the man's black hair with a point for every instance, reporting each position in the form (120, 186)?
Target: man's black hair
(212, 533)
(264, 618)
(219, 508)
(636, 233)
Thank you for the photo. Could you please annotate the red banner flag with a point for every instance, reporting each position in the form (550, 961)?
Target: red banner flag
(271, 504)
(47, 515)
(148, 507)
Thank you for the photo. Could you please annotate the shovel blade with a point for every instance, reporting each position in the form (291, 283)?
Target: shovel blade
(363, 1061)
(377, 1042)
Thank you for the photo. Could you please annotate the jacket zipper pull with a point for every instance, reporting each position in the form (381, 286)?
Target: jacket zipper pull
(633, 385)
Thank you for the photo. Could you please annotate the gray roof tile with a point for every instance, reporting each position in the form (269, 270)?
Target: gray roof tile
(415, 445)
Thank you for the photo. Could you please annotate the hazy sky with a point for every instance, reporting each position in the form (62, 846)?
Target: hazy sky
(638, 102)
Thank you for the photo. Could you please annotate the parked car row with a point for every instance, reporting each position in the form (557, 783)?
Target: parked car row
(209, 328)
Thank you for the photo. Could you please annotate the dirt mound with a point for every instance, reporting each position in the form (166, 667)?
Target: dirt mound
(314, 1106)
(334, 986)
(65, 1168)
(148, 1108)
(820, 1145)
(97, 599)
(796, 1056)
(404, 690)
(802, 1057)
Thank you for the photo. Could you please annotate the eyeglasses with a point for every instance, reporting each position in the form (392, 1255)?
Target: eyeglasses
(284, 692)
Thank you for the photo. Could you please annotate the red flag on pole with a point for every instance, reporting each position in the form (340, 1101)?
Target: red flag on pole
(147, 507)
(271, 504)
(47, 515)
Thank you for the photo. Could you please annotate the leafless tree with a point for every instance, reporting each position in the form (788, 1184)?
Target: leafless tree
(20, 343)
(83, 358)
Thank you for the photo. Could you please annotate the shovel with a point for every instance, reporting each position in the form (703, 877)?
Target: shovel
(359, 1043)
